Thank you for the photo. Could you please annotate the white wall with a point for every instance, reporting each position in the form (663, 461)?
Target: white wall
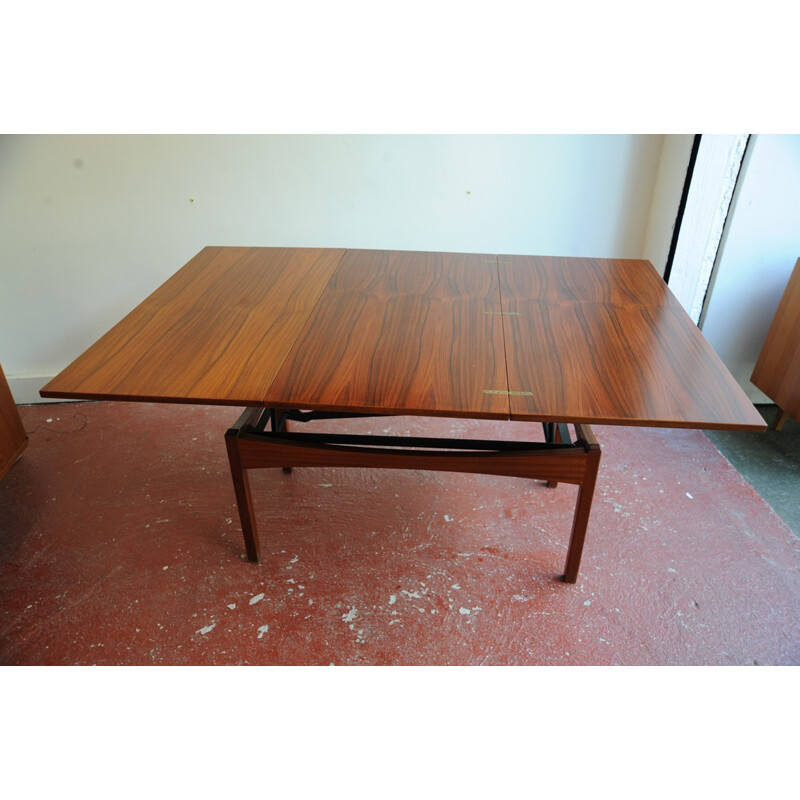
(759, 249)
(674, 162)
(90, 225)
(714, 176)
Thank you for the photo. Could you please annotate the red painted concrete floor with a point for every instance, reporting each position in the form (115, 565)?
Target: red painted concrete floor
(121, 545)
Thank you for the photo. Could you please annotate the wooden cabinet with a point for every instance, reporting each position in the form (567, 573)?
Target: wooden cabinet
(13, 439)
(777, 371)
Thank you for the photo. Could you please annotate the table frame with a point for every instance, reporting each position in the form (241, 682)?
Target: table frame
(261, 439)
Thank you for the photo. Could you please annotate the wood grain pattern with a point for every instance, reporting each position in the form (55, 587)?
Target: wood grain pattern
(605, 341)
(402, 333)
(216, 332)
(449, 334)
(777, 371)
(397, 273)
(567, 466)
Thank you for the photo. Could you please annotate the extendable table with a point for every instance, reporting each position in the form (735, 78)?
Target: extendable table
(293, 334)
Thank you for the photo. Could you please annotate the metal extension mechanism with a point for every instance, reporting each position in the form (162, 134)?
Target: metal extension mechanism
(261, 439)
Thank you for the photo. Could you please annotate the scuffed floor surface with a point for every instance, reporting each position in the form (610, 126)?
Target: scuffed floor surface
(120, 544)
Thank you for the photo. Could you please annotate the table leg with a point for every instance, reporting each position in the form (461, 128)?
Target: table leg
(780, 419)
(552, 433)
(241, 483)
(583, 506)
(250, 446)
(280, 424)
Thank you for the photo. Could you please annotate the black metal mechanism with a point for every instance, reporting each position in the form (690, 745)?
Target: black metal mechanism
(556, 432)
(307, 416)
(556, 435)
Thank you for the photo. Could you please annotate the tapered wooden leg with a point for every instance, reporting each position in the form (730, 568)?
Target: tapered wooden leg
(285, 428)
(249, 447)
(780, 419)
(583, 508)
(556, 438)
(241, 487)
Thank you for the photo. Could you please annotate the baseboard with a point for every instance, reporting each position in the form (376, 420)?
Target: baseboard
(25, 391)
(757, 397)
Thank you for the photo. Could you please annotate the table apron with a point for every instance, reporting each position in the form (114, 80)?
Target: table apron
(565, 464)
(556, 460)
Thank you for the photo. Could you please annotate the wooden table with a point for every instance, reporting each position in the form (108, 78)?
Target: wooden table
(295, 334)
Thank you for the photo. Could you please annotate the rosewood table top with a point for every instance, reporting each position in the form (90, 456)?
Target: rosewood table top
(538, 338)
